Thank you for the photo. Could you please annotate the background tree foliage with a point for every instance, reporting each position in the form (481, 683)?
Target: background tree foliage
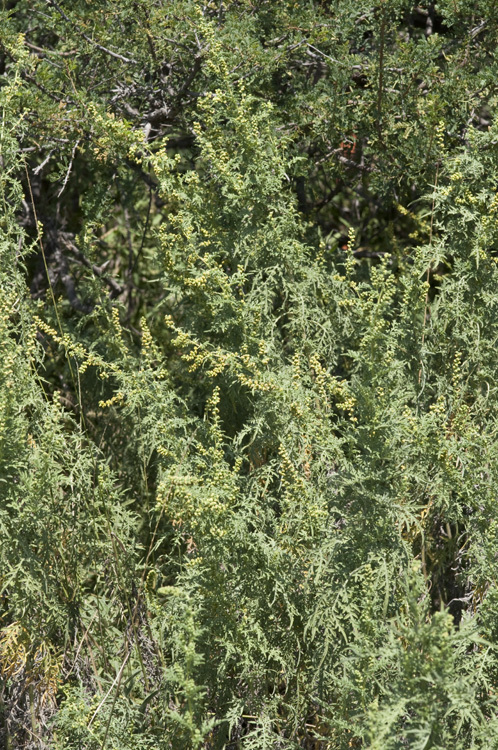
(248, 404)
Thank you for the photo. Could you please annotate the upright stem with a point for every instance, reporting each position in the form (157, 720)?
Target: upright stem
(381, 73)
(426, 305)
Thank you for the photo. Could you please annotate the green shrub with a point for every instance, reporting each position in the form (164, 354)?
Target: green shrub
(249, 314)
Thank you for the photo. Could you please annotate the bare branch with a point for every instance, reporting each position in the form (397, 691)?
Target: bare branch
(39, 168)
(66, 178)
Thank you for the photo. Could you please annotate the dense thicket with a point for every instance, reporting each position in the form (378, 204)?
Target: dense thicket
(248, 383)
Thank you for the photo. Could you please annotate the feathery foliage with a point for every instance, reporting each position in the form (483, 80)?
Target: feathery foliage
(249, 315)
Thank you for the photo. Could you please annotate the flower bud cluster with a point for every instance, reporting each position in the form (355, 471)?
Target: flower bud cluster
(290, 477)
(439, 134)
(117, 399)
(77, 351)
